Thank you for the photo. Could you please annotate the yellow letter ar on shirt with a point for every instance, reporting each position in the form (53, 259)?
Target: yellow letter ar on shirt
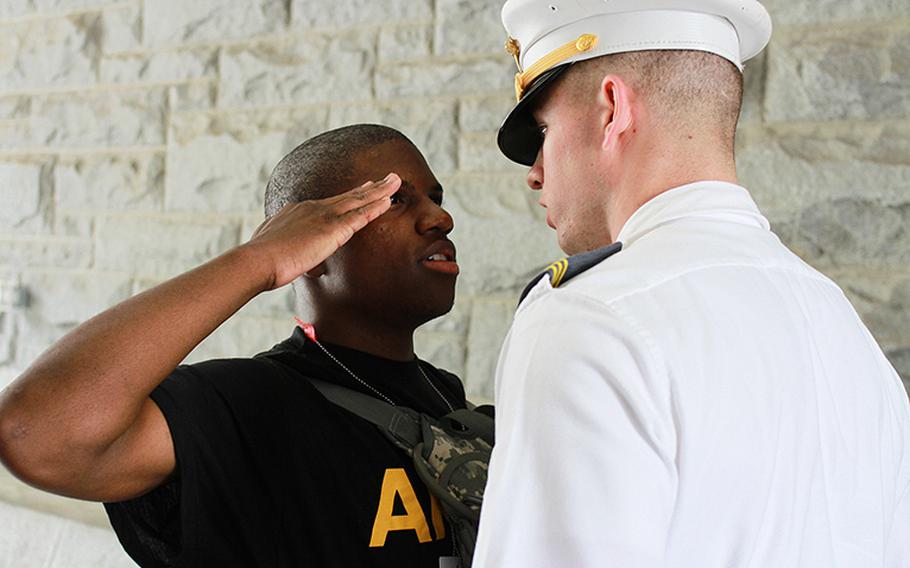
(395, 482)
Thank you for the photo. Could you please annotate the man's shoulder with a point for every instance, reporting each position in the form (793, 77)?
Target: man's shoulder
(260, 366)
(227, 365)
(655, 266)
(616, 274)
(229, 368)
(235, 378)
(668, 254)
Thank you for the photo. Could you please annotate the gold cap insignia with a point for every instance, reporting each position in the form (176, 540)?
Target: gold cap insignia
(514, 48)
(585, 42)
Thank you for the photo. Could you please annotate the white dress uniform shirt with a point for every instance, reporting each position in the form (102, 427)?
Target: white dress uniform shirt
(702, 399)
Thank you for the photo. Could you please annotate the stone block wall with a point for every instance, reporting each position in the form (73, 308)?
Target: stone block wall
(30, 539)
(136, 137)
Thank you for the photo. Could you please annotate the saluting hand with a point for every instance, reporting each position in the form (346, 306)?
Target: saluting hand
(302, 235)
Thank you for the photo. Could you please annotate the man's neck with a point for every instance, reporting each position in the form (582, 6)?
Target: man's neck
(664, 170)
(382, 341)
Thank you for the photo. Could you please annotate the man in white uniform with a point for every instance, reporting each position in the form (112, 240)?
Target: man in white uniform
(699, 397)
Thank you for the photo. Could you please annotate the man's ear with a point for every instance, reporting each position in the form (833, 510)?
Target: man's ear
(615, 99)
(316, 271)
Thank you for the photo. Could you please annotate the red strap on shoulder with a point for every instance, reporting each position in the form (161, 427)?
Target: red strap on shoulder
(308, 329)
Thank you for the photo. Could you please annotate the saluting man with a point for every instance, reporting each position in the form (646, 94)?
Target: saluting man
(684, 390)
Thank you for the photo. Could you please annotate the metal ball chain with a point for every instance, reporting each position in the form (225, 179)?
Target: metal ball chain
(372, 388)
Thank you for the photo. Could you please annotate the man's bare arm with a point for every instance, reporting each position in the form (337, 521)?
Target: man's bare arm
(79, 421)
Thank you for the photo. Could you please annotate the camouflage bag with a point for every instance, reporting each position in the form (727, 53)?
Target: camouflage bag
(451, 454)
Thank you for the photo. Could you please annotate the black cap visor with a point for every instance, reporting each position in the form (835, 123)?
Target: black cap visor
(519, 137)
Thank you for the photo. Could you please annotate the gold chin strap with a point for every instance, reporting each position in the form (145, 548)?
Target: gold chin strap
(585, 42)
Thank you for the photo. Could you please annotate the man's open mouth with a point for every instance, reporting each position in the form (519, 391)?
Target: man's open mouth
(440, 257)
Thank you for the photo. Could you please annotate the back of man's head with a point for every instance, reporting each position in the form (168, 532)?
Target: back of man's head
(323, 165)
(683, 90)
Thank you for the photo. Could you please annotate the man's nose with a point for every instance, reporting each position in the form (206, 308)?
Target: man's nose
(535, 174)
(436, 218)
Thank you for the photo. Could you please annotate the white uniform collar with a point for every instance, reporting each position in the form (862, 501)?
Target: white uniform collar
(706, 199)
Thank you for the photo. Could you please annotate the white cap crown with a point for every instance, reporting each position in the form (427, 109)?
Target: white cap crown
(736, 30)
(545, 36)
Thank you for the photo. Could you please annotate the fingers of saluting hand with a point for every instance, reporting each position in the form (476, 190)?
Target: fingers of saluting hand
(365, 204)
(303, 234)
(369, 193)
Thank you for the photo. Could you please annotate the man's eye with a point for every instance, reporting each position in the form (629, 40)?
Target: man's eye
(542, 129)
(396, 198)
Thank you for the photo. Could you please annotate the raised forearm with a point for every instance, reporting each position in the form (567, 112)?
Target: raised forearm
(84, 402)
(91, 384)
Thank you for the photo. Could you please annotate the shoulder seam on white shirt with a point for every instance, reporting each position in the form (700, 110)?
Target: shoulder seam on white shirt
(820, 278)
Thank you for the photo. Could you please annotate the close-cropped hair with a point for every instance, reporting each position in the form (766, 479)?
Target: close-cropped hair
(322, 166)
(684, 88)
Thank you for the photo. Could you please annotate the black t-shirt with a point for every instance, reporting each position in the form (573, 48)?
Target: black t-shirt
(270, 473)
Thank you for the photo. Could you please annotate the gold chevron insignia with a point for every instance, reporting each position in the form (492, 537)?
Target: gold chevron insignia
(557, 271)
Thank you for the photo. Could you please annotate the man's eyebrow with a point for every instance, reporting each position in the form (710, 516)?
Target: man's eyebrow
(435, 188)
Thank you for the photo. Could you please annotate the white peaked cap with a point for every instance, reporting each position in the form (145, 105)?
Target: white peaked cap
(546, 36)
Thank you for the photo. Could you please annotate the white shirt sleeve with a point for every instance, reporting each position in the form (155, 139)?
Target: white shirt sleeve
(897, 547)
(583, 470)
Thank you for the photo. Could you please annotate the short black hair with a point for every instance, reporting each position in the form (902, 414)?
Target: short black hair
(318, 167)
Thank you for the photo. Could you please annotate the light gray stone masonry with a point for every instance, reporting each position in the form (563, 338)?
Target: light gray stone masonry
(112, 117)
(834, 74)
(20, 194)
(173, 22)
(53, 52)
(306, 70)
(479, 19)
(55, 543)
(136, 137)
(355, 13)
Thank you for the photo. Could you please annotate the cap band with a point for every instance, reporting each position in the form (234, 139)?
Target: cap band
(583, 43)
(639, 31)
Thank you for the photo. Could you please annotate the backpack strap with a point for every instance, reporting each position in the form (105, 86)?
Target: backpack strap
(403, 426)
(471, 423)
